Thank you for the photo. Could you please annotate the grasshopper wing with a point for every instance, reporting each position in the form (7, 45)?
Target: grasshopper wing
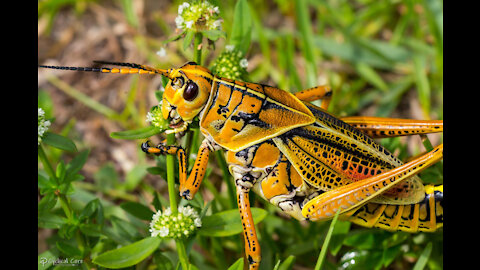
(331, 154)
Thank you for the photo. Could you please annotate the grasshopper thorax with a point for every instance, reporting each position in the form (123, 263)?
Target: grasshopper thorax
(186, 93)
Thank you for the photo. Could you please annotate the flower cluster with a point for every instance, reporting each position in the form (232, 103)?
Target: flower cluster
(43, 124)
(230, 64)
(198, 15)
(156, 119)
(181, 225)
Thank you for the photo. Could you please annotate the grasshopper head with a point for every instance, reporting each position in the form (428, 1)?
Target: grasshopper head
(186, 94)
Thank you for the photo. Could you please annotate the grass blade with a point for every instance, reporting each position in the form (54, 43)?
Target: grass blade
(88, 101)
(423, 259)
(305, 27)
(323, 252)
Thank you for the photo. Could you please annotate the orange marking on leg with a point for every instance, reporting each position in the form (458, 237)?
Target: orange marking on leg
(252, 246)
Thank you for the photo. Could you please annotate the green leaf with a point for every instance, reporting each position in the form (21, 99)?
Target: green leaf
(162, 261)
(129, 12)
(59, 142)
(188, 39)
(67, 230)
(370, 75)
(339, 233)
(423, 259)
(141, 133)
(213, 35)
(128, 255)
(68, 249)
(158, 95)
(242, 26)
(46, 184)
(192, 267)
(361, 259)
(138, 210)
(47, 202)
(50, 221)
(174, 38)
(93, 230)
(288, 263)
(156, 201)
(76, 164)
(354, 52)
(423, 86)
(389, 254)
(93, 207)
(228, 222)
(238, 265)
(363, 239)
(124, 228)
(60, 172)
(156, 170)
(89, 209)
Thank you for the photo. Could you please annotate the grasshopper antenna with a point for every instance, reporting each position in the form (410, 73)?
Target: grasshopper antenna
(128, 68)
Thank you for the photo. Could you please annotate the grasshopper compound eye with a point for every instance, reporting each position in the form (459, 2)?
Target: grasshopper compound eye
(191, 92)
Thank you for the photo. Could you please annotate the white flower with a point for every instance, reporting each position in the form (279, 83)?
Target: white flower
(197, 222)
(179, 21)
(165, 225)
(43, 124)
(156, 119)
(182, 7)
(244, 63)
(217, 24)
(162, 52)
(149, 117)
(229, 48)
(198, 15)
(163, 231)
(189, 24)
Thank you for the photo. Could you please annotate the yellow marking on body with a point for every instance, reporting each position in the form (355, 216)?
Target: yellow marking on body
(266, 155)
(390, 219)
(276, 183)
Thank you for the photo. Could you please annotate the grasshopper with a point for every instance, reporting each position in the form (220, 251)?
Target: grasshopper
(296, 155)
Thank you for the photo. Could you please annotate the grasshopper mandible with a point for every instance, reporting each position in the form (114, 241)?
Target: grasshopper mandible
(294, 154)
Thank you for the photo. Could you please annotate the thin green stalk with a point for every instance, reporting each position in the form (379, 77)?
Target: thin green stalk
(182, 254)
(46, 164)
(172, 194)
(226, 176)
(323, 252)
(305, 28)
(197, 48)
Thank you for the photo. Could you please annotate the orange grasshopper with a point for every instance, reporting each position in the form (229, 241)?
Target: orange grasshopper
(294, 154)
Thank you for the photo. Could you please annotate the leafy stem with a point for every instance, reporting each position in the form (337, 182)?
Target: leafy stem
(50, 171)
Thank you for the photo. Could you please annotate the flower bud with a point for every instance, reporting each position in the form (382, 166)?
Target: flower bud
(183, 225)
(230, 64)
